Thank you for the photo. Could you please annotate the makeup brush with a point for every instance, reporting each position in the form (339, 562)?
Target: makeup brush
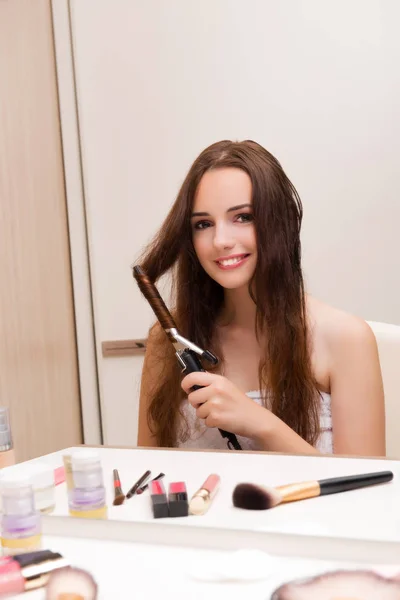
(186, 351)
(138, 484)
(119, 495)
(71, 583)
(254, 497)
(144, 487)
(344, 585)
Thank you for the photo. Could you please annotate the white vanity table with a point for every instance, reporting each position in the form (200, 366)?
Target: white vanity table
(130, 547)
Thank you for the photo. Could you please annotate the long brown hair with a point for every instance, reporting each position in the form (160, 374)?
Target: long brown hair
(277, 288)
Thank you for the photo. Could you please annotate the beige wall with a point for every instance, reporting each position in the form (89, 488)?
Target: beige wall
(38, 362)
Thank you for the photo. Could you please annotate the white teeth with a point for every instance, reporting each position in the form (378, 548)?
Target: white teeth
(231, 261)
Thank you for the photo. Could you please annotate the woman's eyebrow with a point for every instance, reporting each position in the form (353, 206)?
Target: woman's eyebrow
(233, 208)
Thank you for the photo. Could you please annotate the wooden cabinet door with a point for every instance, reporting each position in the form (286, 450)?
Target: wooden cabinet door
(38, 357)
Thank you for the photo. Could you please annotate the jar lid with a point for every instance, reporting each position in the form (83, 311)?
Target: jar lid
(15, 480)
(38, 475)
(41, 475)
(82, 457)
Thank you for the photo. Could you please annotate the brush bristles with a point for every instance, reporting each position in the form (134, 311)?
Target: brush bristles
(119, 499)
(254, 497)
(71, 582)
(152, 296)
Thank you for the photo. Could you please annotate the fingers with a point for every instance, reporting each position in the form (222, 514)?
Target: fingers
(201, 378)
(212, 421)
(202, 411)
(197, 397)
(209, 410)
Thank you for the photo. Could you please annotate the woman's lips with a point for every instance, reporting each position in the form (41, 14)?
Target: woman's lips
(233, 263)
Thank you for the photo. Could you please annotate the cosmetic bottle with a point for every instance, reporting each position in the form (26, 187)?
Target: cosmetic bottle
(42, 479)
(7, 457)
(20, 521)
(68, 471)
(87, 499)
(44, 488)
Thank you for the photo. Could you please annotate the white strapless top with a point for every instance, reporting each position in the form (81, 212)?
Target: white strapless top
(201, 436)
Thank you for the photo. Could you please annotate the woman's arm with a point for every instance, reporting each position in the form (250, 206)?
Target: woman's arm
(357, 398)
(358, 414)
(275, 436)
(221, 404)
(151, 372)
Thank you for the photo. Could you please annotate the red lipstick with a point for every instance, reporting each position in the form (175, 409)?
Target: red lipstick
(159, 501)
(178, 499)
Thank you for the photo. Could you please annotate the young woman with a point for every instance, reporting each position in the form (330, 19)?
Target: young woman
(295, 375)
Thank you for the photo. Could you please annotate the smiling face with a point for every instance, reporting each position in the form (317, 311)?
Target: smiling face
(223, 231)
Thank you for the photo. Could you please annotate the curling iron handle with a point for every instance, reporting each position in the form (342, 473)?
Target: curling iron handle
(193, 365)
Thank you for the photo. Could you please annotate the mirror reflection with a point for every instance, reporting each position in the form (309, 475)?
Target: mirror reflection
(289, 366)
(243, 161)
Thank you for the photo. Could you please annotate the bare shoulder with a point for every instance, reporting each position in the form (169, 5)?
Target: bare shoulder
(337, 330)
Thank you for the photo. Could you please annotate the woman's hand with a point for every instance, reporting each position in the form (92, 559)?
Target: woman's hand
(221, 404)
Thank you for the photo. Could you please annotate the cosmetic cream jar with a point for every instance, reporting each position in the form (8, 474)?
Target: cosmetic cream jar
(41, 477)
(87, 499)
(20, 521)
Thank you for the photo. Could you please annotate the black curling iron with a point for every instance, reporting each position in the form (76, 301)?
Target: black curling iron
(186, 352)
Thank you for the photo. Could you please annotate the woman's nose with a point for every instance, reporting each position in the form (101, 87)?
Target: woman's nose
(223, 237)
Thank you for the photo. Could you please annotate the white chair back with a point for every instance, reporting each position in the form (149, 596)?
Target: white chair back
(388, 340)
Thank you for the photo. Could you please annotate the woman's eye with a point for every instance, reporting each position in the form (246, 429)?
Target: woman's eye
(245, 218)
(202, 225)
